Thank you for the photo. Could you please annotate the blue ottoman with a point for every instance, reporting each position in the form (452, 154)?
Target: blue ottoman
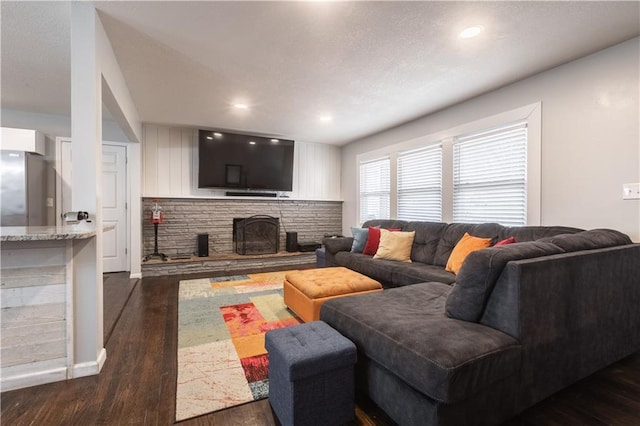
(311, 375)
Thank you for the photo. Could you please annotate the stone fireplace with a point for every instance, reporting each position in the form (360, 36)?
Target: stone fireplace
(259, 234)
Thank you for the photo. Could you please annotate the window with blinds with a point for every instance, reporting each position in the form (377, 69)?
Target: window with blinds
(420, 184)
(375, 185)
(490, 176)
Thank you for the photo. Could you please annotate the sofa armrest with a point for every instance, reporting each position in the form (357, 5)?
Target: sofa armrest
(481, 269)
(574, 313)
(335, 244)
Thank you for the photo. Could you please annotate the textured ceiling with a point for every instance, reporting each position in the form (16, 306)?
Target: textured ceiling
(369, 65)
(35, 57)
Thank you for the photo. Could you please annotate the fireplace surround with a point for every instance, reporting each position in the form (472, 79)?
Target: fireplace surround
(258, 234)
(184, 219)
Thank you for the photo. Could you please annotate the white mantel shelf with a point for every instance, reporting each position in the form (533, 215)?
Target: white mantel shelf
(78, 231)
(245, 198)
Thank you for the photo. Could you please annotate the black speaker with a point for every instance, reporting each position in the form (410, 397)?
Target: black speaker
(203, 245)
(292, 241)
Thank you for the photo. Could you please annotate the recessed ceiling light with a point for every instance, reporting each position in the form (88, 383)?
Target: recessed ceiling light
(217, 135)
(252, 142)
(241, 106)
(325, 118)
(471, 32)
(275, 140)
(210, 138)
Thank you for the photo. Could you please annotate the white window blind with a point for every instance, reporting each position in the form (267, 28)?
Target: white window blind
(420, 184)
(490, 176)
(375, 189)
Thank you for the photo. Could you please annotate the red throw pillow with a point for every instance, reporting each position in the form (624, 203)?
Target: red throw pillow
(504, 242)
(373, 240)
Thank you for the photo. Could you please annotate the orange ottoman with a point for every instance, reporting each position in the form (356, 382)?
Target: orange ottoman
(305, 291)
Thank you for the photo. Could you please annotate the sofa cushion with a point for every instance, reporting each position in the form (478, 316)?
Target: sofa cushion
(480, 271)
(416, 272)
(454, 231)
(395, 246)
(465, 246)
(385, 223)
(426, 240)
(589, 240)
(532, 233)
(406, 331)
(378, 269)
(392, 273)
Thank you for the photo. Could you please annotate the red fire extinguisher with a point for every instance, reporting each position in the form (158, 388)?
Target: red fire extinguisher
(156, 219)
(156, 213)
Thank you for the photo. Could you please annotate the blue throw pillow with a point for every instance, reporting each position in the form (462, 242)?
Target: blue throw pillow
(360, 236)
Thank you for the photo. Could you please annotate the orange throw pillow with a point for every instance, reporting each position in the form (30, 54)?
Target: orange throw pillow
(466, 245)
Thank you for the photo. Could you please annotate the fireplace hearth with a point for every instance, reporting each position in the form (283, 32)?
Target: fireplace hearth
(259, 234)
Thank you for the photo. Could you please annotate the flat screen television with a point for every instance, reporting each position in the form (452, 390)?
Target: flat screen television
(236, 161)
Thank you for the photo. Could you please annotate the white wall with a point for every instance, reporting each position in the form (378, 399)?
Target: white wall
(169, 164)
(590, 138)
(94, 72)
(115, 93)
(60, 126)
(56, 125)
(86, 182)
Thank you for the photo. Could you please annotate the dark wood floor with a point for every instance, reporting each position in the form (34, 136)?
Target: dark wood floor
(138, 382)
(117, 288)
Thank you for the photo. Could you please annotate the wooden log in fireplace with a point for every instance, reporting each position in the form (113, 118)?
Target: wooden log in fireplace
(259, 234)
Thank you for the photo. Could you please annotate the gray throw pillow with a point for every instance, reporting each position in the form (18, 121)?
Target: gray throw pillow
(360, 236)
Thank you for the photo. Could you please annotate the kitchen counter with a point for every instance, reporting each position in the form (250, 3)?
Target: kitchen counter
(77, 231)
(43, 280)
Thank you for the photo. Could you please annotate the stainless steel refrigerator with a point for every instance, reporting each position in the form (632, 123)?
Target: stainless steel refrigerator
(27, 198)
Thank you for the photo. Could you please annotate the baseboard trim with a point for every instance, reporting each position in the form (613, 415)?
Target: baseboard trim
(102, 357)
(135, 276)
(33, 379)
(89, 368)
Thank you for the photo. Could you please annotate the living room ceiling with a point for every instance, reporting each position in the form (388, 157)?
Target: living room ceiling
(326, 72)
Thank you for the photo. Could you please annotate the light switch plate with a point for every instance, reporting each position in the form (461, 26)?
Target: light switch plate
(631, 191)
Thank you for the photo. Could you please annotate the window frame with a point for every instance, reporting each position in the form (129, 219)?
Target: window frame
(429, 150)
(482, 152)
(531, 114)
(370, 161)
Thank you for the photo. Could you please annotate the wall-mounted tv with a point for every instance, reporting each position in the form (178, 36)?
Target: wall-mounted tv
(236, 161)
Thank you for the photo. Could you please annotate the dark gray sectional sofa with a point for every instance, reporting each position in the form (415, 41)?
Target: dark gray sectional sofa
(517, 324)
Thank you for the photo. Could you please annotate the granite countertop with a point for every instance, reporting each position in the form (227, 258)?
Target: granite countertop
(77, 231)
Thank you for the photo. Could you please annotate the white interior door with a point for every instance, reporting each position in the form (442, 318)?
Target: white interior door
(114, 201)
(114, 207)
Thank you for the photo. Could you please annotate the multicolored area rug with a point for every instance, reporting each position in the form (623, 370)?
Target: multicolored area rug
(222, 361)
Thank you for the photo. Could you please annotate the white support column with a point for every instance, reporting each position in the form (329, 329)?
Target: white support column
(86, 135)
(135, 210)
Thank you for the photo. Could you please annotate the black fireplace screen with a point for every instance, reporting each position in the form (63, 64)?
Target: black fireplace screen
(258, 234)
